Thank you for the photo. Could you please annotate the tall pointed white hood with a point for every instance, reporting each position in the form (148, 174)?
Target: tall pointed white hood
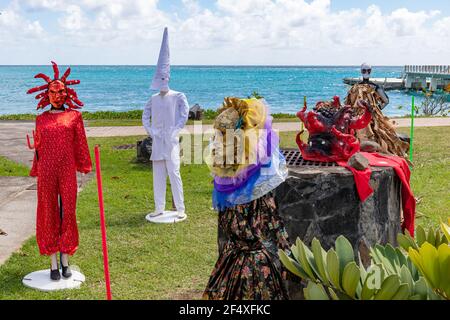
(162, 74)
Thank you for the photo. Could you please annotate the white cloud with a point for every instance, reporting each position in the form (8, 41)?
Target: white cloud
(14, 28)
(73, 20)
(257, 31)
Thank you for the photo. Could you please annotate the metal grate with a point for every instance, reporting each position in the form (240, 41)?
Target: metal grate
(125, 147)
(294, 159)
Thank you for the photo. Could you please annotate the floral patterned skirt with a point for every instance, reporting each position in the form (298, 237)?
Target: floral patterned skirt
(248, 267)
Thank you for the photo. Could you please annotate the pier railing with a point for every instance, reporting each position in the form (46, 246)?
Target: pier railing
(432, 70)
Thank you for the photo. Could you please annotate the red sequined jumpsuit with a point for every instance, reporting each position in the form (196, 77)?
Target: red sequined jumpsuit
(61, 151)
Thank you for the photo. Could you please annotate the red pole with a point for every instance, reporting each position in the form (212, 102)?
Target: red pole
(102, 221)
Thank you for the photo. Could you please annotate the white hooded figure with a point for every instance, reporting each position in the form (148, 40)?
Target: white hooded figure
(165, 114)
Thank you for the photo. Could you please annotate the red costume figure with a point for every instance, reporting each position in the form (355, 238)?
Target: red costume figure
(61, 150)
(331, 130)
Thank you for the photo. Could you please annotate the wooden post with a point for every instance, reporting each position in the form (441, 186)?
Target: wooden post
(102, 222)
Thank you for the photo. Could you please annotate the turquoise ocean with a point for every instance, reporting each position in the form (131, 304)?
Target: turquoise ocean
(122, 88)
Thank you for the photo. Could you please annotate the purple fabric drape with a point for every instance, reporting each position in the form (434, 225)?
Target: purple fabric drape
(230, 184)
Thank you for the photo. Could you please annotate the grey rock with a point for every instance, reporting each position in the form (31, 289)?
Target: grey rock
(358, 161)
(144, 150)
(196, 112)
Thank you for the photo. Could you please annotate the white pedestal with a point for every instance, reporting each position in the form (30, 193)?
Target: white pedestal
(40, 280)
(166, 217)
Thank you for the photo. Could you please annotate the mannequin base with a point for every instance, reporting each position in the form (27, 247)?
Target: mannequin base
(166, 217)
(40, 280)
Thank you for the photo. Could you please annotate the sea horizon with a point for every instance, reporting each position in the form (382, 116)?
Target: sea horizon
(126, 87)
(205, 65)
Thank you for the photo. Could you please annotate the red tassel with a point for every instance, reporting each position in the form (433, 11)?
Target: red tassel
(43, 103)
(72, 82)
(55, 70)
(65, 75)
(71, 105)
(41, 95)
(74, 97)
(36, 89)
(43, 76)
(72, 93)
(78, 102)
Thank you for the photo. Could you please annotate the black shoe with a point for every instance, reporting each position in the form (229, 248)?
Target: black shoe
(66, 272)
(54, 274)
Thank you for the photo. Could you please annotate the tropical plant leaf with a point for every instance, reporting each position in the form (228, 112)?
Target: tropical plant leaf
(406, 277)
(289, 264)
(315, 291)
(388, 288)
(358, 289)
(362, 271)
(295, 252)
(403, 293)
(392, 257)
(438, 237)
(431, 239)
(320, 256)
(401, 256)
(444, 239)
(421, 288)
(350, 279)
(421, 236)
(333, 294)
(430, 264)
(344, 251)
(446, 230)
(303, 259)
(405, 241)
(333, 268)
(444, 267)
(372, 282)
(311, 260)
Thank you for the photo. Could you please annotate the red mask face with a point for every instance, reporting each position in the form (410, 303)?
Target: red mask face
(57, 94)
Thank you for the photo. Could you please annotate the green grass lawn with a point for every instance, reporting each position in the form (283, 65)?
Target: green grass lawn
(174, 261)
(9, 168)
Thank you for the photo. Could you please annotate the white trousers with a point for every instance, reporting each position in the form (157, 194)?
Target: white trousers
(162, 168)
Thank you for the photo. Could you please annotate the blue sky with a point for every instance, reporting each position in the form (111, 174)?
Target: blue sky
(273, 32)
(390, 5)
(385, 5)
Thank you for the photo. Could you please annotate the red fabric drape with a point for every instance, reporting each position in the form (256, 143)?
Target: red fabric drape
(401, 168)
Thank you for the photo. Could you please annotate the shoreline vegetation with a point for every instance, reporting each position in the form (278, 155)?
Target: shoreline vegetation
(133, 117)
(208, 114)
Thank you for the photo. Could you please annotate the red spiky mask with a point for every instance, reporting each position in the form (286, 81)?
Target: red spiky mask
(57, 93)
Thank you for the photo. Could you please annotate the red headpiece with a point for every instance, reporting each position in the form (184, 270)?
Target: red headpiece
(72, 99)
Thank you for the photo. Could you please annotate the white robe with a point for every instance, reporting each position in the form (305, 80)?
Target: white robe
(168, 115)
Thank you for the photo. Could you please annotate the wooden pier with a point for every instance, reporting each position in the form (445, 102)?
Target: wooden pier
(386, 83)
(413, 77)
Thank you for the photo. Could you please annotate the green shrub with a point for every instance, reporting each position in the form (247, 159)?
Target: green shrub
(417, 270)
